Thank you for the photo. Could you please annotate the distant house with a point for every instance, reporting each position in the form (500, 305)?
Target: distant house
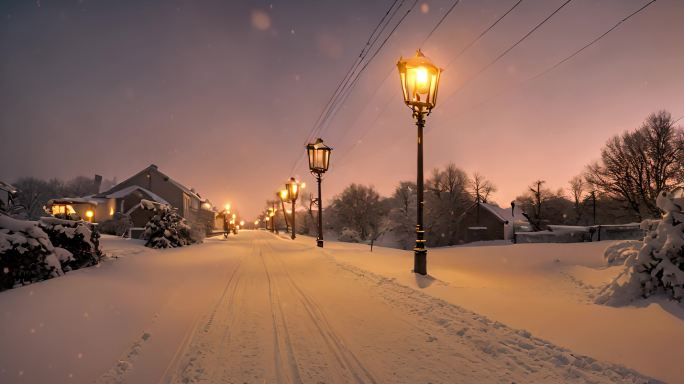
(149, 184)
(486, 221)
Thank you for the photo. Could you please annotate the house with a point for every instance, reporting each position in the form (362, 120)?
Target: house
(487, 221)
(149, 184)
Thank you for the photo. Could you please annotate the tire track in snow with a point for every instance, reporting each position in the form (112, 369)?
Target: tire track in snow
(188, 364)
(282, 349)
(346, 359)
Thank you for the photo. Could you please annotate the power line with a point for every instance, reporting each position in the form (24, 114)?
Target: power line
(593, 41)
(564, 60)
(507, 50)
(460, 53)
(345, 92)
(364, 51)
(472, 42)
(439, 23)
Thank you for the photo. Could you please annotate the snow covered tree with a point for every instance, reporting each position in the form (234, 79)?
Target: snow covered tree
(358, 208)
(402, 214)
(26, 253)
(166, 228)
(659, 265)
(80, 238)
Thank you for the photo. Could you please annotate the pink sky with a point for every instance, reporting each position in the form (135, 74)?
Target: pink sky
(222, 97)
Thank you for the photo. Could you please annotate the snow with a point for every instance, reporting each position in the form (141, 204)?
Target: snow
(128, 190)
(620, 251)
(261, 308)
(505, 214)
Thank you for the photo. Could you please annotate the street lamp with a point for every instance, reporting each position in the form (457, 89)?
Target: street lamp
(319, 160)
(419, 82)
(292, 188)
(282, 195)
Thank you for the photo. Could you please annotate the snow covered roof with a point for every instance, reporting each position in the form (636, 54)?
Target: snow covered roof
(128, 190)
(154, 168)
(504, 214)
(76, 200)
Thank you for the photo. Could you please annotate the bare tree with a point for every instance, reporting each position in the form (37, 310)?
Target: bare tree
(481, 188)
(577, 189)
(637, 165)
(539, 195)
(448, 197)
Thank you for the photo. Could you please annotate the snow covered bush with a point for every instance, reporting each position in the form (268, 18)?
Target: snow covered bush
(118, 225)
(350, 236)
(659, 265)
(77, 237)
(166, 229)
(617, 253)
(26, 253)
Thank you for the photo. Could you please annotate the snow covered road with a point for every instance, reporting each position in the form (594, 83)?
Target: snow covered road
(258, 308)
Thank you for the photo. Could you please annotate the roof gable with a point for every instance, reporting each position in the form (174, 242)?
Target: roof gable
(151, 168)
(504, 214)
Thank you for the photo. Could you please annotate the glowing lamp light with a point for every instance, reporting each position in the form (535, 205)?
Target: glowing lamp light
(419, 82)
(227, 206)
(283, 195)
(292, 187)
(319, 156)
(233, 216)
(89, 214)
(267, 218)
(242, 223)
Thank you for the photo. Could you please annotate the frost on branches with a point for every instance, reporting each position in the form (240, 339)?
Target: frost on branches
(166, 228)
(659, 265)
(26, 254)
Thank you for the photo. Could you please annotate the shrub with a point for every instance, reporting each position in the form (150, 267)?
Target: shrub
(659, 265)
(118, 225)
(349, 236)
(78, 237)
(26, 254)
(166, 229)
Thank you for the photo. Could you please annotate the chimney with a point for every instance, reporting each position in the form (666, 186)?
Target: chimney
(97, 183)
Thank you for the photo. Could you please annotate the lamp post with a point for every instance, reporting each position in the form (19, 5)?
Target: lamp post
(419, 82)
(292, 188)
(282, 195)
(319, 161)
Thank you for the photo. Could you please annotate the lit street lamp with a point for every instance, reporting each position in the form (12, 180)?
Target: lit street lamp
(419, 83)
(319, 160)
(282, 195)
(292, 188)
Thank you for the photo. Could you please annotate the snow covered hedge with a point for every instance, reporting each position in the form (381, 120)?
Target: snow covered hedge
(659, 265)
(77, 237)
(166, 229)
(26, 254)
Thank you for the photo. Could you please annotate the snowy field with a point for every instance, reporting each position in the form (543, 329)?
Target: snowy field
(259, 308)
